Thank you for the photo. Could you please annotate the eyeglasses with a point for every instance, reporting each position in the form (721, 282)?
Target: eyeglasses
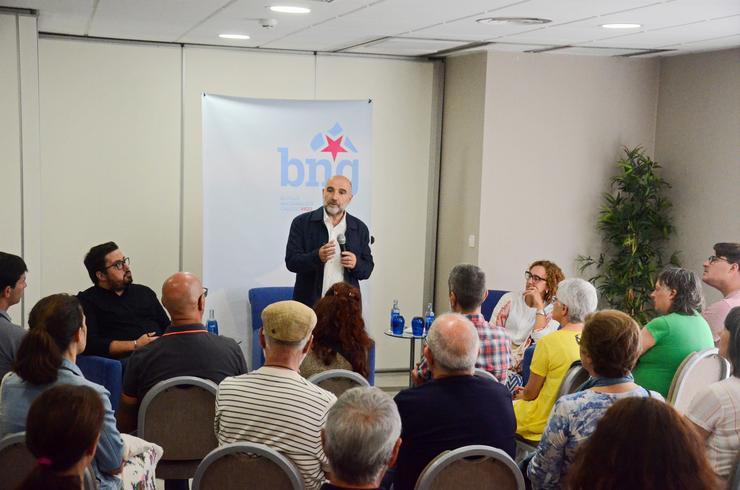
(713, 259)
(118, 264)
(205, 292)
(578, 339)
(528, 275)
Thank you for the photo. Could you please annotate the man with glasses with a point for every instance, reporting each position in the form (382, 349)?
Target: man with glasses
(121, 316)
(184, 349)
(722, 272)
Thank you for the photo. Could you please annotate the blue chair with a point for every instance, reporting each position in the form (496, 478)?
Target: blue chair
(494, 295)
(526, 362)
(105, 372)
(259, 299)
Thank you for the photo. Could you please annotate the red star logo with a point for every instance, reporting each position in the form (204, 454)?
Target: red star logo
(334, 147)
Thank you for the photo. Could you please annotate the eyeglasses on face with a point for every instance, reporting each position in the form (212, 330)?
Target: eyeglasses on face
(118, 264)
(713, 259)
(205, 292)
(528, 275)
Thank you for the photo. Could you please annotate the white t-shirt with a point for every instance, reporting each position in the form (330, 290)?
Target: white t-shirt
(520, 323)
(333, 270)
(716, 409)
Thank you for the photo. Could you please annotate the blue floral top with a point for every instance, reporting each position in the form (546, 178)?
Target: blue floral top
(572, 420)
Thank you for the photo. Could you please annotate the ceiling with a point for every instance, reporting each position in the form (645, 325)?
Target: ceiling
(406, 27)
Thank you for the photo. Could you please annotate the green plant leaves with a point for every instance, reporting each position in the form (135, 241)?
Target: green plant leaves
(635, 223)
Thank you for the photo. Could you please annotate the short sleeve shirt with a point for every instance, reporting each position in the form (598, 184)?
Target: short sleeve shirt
(552, 358)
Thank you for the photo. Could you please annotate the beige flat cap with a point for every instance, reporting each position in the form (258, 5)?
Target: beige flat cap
(289, 321)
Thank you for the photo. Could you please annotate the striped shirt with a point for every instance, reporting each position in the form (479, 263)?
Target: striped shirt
(279, 408)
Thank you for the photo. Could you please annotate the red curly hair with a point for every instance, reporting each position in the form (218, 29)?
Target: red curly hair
(340, 328)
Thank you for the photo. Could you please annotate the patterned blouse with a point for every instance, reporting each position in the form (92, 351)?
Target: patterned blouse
(573, 419)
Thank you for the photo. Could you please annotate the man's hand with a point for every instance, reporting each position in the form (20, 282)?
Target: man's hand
(146, 338)
(327, 251)
(415, 377)
(349, 260)
(519, 393)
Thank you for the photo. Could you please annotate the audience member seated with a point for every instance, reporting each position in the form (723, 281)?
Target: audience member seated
(62, 450)
(610, 346)
(46, 358)
(467, 292)
(339, 339)
(553, 356)
(185, 349)
(275, 405)
(361, 439)
(527, 316)
(121, 316)
(715, 411)
(12, 283)
(641, 443)
(454, 409)
(668, 339)
(722, 272)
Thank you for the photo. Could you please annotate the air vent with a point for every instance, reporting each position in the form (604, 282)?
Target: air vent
(525, 21)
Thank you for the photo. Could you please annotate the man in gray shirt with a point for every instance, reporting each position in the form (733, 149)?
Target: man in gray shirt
(12, 283)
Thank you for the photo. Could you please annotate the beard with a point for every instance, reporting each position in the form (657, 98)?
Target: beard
(333, 209)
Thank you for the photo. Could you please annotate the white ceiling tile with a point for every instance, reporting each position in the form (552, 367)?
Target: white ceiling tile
(672, 36)
(68, 17)
(405, 47)
(514, 47)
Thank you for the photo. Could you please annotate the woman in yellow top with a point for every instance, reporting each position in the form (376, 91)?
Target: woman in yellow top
(553, 356)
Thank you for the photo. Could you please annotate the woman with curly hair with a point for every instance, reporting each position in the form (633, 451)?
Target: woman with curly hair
(339, 338)
(642, 443)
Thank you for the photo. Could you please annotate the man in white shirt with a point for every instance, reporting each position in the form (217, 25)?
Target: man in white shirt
(313, 249)
(722, 272)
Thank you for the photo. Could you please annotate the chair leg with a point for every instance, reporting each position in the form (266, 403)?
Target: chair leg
(176, 485)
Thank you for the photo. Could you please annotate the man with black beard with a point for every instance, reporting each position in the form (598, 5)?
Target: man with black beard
(120, 316)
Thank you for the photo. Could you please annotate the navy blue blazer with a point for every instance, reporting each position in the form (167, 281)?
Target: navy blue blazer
(307, 234)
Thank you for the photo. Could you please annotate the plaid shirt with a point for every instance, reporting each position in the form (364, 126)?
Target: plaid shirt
(495, 350)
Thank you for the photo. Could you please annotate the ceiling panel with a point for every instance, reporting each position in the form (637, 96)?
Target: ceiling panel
(514, 47)
(671, 36)
(68, 17)
(405, 47)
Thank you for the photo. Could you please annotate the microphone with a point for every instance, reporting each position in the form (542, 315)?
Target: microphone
(342, 241)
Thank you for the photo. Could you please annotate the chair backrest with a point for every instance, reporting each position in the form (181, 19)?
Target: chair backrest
(105, 372)
(574, 377)
(246, 465)
(178, 414)
(494, 295)
(338, 380)
(482, 373)
(734, 480)
(259, 299)
(479, 467)
(697, 370)
(16, 461)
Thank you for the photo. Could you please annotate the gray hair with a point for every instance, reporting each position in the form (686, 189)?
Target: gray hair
(361, 429)
(297, 345)
(579, 296)
(468, 282)
(454, 342)
(689, 296)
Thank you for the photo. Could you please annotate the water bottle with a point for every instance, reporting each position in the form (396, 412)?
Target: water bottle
(429, 318)
(212, 324)
(395, 311)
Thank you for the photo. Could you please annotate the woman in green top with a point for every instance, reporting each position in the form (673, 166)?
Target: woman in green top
(669, 338)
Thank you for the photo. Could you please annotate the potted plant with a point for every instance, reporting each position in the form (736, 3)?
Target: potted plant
(635, 224)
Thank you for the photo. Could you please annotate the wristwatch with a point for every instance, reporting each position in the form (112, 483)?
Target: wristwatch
(540, 312)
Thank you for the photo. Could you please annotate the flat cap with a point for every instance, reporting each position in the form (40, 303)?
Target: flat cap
(289, 321)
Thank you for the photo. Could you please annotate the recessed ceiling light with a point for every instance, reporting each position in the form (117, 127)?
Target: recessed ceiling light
(233, 36)
(287, 9)
(513, 20)
(620, 26)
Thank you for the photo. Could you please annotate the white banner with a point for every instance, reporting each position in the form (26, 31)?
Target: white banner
(265, 162)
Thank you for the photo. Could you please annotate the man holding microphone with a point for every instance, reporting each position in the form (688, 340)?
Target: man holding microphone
(328, 245)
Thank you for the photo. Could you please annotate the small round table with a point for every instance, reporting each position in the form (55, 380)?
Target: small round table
(412, 355)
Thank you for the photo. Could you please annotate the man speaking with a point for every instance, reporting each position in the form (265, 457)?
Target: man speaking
(315, 251)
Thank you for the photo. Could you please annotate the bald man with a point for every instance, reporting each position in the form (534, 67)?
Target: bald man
(467, 409)
(313, 251)
(185, 349)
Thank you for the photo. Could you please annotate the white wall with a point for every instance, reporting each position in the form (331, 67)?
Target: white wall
(698, 144)
(554, 126)
(121, 156)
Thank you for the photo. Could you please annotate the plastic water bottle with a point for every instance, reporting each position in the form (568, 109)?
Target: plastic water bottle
(428, 318)
(212, 324)
(395, 311)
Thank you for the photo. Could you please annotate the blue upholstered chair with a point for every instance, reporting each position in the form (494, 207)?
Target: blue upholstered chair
(259, 299)
(494, 295)
(105, 372)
